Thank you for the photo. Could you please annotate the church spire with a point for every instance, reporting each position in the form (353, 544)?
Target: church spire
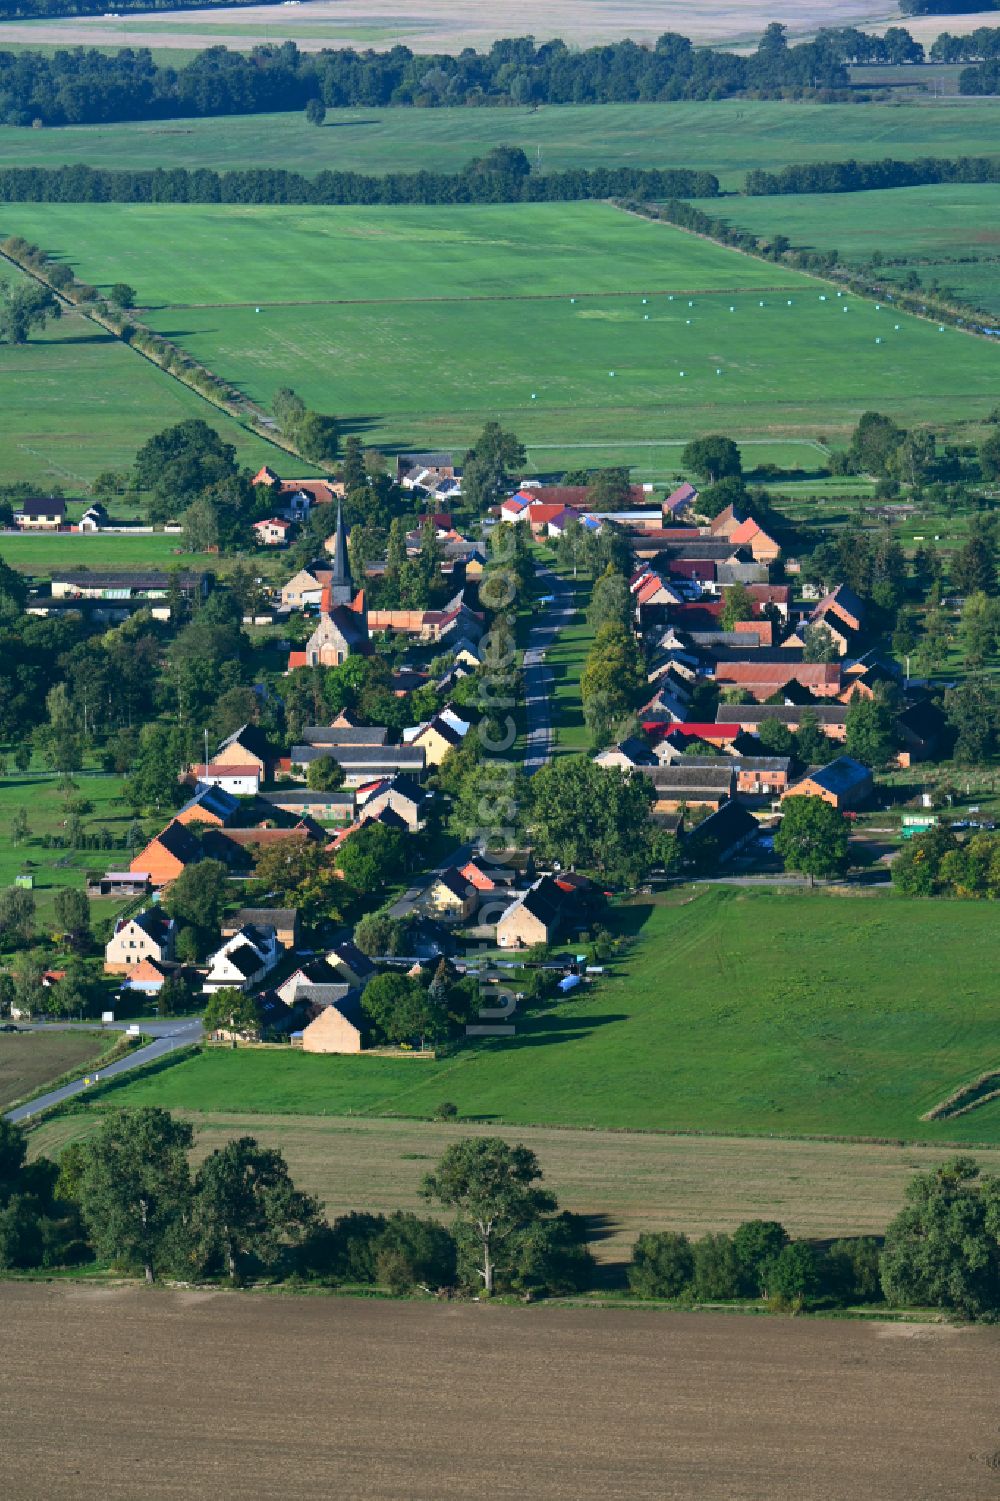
(341, 587)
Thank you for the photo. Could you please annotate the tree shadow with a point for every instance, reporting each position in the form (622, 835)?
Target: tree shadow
(552, 1029)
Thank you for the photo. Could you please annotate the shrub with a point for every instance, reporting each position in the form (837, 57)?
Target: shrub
(662, 1265)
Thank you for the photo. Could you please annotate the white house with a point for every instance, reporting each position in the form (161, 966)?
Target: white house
(243, 960)
(239, 781)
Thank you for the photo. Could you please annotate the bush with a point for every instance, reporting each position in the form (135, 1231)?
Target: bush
(662, 1265)
(446, 1111)
(716, 1268)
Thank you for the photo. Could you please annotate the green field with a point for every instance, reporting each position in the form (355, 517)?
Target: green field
(44, 555)
(736, 1012)
(950, 232)
(37, 793)
(415, 328)
(727, 137)
(76, 401)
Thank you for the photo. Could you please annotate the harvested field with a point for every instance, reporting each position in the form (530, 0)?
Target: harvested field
(29, 1060)
(407, 1401)
(443, 25)
(624, 1182)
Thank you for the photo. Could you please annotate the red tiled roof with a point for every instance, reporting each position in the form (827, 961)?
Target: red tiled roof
(746, 531)
(296, 659)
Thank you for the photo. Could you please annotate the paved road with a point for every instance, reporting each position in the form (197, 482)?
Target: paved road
(167, 1036)
(537, 677)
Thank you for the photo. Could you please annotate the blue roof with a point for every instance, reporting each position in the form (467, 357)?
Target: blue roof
(213, 800)
(842, 775)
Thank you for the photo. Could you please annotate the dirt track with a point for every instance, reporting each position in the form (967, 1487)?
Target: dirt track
(171, 1396)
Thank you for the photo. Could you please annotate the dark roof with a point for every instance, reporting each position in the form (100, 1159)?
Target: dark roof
(327, 734)
(841, 775)
(213, 800)
(727, 827)
(439, 460)
(636, 751)
(709, 549)
(373, 757)
(349, 953)
(454, 882)
(296, 797)
(268, 917)
(54, 506)
(250, 738)
(712, 773)
(544, 900)
(138, 579)
(152, 922)
(738, 713)
(246, 959)
(792, 656)
(764, 763)
(179, 842)
(923, 719)
(402, 786)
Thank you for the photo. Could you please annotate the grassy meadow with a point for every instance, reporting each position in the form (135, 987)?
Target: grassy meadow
(949, 232)
(77, 401)
(727, 137)
(416, 328)
(747, 1012)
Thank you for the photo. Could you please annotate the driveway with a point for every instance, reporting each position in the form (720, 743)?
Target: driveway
(537, 677)
(167, 1037)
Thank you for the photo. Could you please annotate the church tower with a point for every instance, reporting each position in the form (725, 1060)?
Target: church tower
(341, 587)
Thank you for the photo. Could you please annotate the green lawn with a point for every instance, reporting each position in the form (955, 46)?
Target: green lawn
(43, 555)
(744, 1012)
(507, 339)
(76, 401)
(37, 793)
(949, 233)
(727, 137)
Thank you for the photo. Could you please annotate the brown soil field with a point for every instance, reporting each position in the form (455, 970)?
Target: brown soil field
(449, 25)
(30, 1059)
(133, 1395)
(625, 1182)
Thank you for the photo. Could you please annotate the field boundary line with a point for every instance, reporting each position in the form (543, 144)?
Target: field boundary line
(182, 307)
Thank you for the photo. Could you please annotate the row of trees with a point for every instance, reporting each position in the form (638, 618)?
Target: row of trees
(127, 1196)
(86, 86)
(492, 180)
(858, 177)
(941, 1251)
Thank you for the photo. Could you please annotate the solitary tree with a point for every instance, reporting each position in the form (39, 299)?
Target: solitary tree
(24, 308)
(122, 295)
(135, 1188)
(230, 1010)
(713, 457)
(245, 1206)
(943, 1248)
(812, 838)
(325, 774)
(491, 1185)
(315, 111)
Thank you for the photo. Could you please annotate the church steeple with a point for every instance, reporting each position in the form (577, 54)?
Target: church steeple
(341, 586)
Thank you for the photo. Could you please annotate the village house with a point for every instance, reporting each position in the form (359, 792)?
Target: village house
(706, 784)
(167, 855)
(273, 531)
(244, 959)
(720, 836)
(923, 729)
(349, 964)
(762, 676)
(362, 764)
(399, 795)
(246, 746)
(284, 921)
(235, 780)
(450, 897)
(627, 754)
(438, 735)
(148, 935)
(762, 776)
(679, 501)
(41, 515)
(541, 914)
(150, 975)
(339, 1028)
(843, 783)
(305, 587)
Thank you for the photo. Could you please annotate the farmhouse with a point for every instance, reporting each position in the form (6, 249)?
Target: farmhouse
(326, 807)
(843, 783)
(450, 897)
(678, 501)
(364, 763)
(148, 935)
(245, 747)
(721, 835)
(539, 915)
(707, 784)
(274, 531)
(211, 804)
(349, 964)
(831, 718)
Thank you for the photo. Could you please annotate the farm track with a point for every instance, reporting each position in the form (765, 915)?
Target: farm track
(742, 291)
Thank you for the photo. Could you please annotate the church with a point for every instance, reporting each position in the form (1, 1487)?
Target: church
(342, 631)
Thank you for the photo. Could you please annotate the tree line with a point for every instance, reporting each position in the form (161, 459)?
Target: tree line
(858, 177)
(15, 10)
(974, 46)
(84, 86)
(127, 1196)
(492, 181)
